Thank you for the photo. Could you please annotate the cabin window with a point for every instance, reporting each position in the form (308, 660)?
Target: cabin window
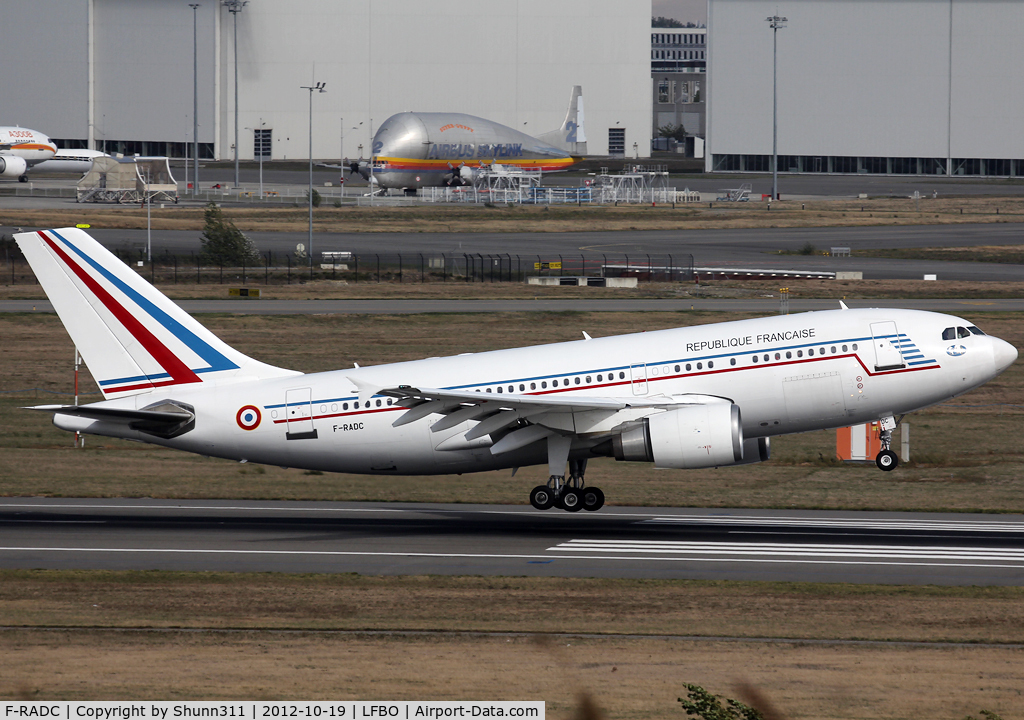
(565, 381)
(588, 379)
(778, 356)
(378, 403)
(844, 348)
(799, 353)
(521, 387)
(622, 376)
(533, 386)
(755, 359)
(511, 388)
(577, 381)
(599, 377)
(544, 384)
(500, 389)
(688, 367)
(389, 401)
(677, 368)
(833, 349)
(711, 364)
(488, 390)
(810, 351)
(732, 361)
(855, 347)
(356, 405)
(699, 366)
(962, 332)
(344, 406)
(788, 355)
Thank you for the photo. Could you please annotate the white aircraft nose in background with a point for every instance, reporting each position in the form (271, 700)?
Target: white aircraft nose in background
(1004, 354)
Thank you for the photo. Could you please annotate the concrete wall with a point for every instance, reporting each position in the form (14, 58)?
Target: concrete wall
(883, 78)
(512, 61)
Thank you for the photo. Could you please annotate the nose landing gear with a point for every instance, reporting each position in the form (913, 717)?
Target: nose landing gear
(887, 460)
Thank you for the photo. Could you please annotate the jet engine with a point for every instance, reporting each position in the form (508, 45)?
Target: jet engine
(12, 166)
(693, 436)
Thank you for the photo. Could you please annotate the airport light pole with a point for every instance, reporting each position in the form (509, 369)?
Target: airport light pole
(195, 103)
(775, 22)
(319, 87)
(234, 7)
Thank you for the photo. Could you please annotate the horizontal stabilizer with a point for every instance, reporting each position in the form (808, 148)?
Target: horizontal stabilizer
(165, 419)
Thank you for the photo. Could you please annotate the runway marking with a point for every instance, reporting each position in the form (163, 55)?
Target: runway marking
(762, 556)
(952, 525)
(762, 551)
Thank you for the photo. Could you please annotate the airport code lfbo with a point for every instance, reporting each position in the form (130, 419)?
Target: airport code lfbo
(348, 710)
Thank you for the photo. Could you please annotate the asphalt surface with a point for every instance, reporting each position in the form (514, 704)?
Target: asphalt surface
(756, 249)
(413, 539)
(404, 307)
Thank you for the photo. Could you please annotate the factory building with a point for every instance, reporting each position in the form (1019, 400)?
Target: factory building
(678, 70)
(117, 75)
(928, 87)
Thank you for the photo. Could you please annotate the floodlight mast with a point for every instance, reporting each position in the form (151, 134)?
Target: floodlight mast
(319, 87)
(775, 22)
(195, 103)
(234, 7)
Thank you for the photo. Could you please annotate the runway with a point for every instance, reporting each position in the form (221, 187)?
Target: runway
(494, 540)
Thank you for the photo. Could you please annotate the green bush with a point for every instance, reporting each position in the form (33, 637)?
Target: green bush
(702, 704)
(224, 244)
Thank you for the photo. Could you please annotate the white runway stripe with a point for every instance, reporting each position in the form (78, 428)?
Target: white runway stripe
(792, 550)
(775, 521)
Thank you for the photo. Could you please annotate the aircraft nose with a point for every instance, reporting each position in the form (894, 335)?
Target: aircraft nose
(1004, 354)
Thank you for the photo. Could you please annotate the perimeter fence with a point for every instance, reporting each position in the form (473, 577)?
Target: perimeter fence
(167, 268)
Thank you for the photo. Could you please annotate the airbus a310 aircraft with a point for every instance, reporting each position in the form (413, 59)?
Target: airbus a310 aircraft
(693, 397)
(20, 149)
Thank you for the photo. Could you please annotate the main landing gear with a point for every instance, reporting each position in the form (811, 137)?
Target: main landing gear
(570, 495)
(887, 460)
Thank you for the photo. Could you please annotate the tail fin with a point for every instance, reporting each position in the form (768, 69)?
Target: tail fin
(132, 337)
(571, 137)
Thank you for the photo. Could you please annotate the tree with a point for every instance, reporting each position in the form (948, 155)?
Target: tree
(223, 243)
(673, 131)
(316, 198)
(702, 704)
(665, 22)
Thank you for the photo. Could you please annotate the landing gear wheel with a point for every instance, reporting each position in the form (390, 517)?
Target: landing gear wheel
(23, 178)
(887, 460)
(541, 497)
(593, 498)
(571, 500)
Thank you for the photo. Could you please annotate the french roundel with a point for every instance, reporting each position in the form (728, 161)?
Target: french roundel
(248, 418)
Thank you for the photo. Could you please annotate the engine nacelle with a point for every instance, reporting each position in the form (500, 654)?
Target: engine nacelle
(12, 166)
(693, 436)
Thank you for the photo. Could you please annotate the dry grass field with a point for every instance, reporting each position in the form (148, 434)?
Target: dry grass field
(628, 645)
(481, 218)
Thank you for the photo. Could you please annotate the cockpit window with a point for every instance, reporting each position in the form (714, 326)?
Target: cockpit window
(949, 334)
(961, 332)
(975, 330)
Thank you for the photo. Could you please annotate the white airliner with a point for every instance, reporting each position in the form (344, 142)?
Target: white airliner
(78, 161)
(20, 149)
(693, 397)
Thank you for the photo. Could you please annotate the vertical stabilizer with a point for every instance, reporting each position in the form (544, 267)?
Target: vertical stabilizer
(132, 337)
(572, 136)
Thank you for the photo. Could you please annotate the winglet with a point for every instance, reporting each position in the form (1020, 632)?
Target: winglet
(586, 336)
(843, 305)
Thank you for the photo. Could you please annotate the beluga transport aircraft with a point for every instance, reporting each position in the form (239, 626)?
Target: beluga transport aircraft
(20, 149)
(691, 397)
(413, 150)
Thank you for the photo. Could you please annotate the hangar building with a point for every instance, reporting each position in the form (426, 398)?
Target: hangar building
(117, 75)
(927, 87)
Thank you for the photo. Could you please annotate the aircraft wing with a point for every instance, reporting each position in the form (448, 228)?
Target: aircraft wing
(11, 146)
(515, 420)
